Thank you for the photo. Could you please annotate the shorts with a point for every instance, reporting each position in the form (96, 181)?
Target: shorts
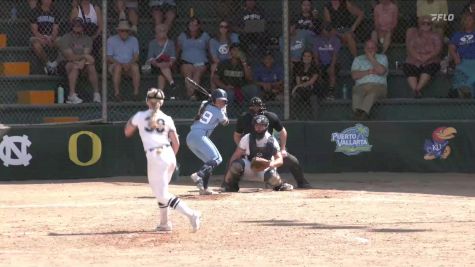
(341, 30)
(184, 62)
(411, 70)
(162, 5)
(132, 4)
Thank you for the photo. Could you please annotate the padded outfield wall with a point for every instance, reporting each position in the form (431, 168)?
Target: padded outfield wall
(88, 151)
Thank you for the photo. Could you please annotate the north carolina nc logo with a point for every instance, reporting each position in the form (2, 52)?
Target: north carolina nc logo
(438, 147)
(352, 141)
(14, 150)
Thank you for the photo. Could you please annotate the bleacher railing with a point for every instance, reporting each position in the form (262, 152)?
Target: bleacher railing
(29, 95)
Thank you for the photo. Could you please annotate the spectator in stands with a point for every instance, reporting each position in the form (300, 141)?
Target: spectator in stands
(423, 55)
(308, 20)
(306, 77)
(233, 74)
(386, 15)
(162, 57)
(128, 10)
(163, 11)
(250, 23)
(298, 43)
(325, 51)
(44, 21)
(192, 46)
(123, 58)
(219, 46)
(32, 3)
(270, 77)
(91, 15)
(369, 72)
(75, 57)
(341, 13)
(462, 51)
(429, 7)
(470, 7)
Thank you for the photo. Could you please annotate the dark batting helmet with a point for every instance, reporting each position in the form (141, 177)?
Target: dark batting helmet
(219, 94)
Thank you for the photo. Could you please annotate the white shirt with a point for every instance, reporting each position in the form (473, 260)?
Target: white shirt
(152, 138)
(244, 143)
(91, 17)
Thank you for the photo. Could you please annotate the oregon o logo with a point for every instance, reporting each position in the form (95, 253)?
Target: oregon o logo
(73, 148)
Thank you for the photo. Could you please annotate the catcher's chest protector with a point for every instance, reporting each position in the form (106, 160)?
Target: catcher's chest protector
(265, 152)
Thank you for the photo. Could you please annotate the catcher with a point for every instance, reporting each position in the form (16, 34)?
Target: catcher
(256, 158)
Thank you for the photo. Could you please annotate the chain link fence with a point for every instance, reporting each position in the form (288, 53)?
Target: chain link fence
(232, 44)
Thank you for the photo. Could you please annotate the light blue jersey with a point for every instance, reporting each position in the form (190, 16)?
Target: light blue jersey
(210, 117)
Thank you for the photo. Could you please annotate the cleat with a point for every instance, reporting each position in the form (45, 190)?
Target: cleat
(284, 187)
(304, 185)
(206, 192)
(198, 181)
(164, 227)
(195, 221)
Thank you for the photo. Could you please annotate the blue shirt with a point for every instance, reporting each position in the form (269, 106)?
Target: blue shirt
(210, 117)
(298, 45)
(465, 44)
(220, 49)
(194, 50)
(362, 63)
(325, 48)
(154, 49)
(266, 75)
(122, 51)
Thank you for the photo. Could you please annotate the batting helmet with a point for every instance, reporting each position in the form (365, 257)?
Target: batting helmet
(219, 94)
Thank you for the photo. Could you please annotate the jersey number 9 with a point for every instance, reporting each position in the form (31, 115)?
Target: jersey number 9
(206, 117)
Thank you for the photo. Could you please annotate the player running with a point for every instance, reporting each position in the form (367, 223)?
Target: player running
(156, 130)
(210, 114)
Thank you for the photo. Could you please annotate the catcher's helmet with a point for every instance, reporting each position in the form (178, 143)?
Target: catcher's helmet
(261, 120)
(219, 94)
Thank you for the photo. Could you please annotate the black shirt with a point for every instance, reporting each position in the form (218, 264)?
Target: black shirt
(231, 74)
(44, 19)
(309, 23)
(305, 75)
(244, 123)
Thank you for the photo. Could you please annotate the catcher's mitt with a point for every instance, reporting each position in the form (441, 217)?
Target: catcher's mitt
(259, 164)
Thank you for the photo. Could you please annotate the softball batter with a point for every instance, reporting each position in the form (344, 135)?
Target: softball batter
(211, 113)
(156, 130)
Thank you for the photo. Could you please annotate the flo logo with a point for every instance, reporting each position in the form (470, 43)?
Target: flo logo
(352, 141)
(438, 147)
(442, 17)
(14, 150)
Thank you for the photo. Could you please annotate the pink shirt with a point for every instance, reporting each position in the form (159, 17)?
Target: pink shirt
(423, 44)
(385, 16)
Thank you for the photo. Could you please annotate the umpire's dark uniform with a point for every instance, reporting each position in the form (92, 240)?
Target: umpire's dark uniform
(244, 126)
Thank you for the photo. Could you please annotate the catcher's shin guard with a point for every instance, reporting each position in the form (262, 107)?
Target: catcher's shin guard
(272, 178)
(234, 174)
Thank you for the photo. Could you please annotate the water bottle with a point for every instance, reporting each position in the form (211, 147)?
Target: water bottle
(444, 64)
(345, 91)
(60, 94)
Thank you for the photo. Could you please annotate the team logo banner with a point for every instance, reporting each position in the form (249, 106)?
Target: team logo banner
(352, 141)
(438, 147)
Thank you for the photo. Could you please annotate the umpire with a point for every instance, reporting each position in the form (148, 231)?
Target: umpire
(244, 126)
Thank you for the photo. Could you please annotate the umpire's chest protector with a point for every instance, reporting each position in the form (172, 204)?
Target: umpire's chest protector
(266, 152)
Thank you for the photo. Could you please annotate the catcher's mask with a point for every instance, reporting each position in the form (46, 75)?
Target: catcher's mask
(260, 120)
(256, 105)
(219, 94)
(155, 94)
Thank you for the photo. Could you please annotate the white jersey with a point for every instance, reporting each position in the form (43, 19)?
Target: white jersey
(152, 138)
(91, 17)
(244, 143)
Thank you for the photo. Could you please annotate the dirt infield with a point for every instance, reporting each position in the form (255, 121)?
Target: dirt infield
(376, 219)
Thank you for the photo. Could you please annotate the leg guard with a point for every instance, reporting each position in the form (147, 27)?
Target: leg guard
(234, 174)
(272, 178)
(206, 171)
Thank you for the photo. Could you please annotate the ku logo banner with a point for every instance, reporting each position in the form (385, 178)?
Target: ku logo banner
(14, 150)
(438, 147)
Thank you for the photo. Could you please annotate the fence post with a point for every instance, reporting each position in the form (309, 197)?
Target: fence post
(104, 61)
(286, 57)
